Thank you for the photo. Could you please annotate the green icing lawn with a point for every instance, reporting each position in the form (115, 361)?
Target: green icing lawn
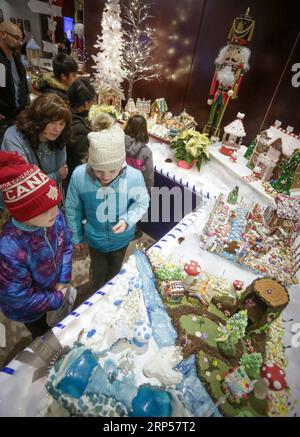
(203, 325)
(214, 310)
(173, 305)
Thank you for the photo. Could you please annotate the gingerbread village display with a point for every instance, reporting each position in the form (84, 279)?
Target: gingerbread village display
(231, 329)
(161, 122)
(260, 239)
(236, 331)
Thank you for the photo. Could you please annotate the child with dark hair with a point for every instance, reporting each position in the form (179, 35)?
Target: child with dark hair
(64, 74)
(81, 95)
(41, 134)
(35, 245)
(138, 154)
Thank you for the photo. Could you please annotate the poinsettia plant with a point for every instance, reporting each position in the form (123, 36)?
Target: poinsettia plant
(191, 146)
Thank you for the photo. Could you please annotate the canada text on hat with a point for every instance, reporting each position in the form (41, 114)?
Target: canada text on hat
(28, 183)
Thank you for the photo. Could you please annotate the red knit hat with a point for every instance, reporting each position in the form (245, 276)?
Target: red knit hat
(27, 191)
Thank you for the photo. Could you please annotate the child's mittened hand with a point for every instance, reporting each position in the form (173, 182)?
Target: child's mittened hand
(120, 227)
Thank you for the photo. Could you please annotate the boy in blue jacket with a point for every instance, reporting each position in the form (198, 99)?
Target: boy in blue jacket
(35, 245)
(112, 197)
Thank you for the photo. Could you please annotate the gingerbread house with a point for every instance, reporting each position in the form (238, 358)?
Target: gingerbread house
(110, 96)
(143, 106)
(130, 107)
(275, 157)
(174, 291)
(285, 217)
(187, 121)
(264, 300)
(234, 134)
(158, 109)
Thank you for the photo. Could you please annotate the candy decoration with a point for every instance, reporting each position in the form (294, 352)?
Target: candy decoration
(274, 376)
(142, 333)
(238, 285)
(192, 269)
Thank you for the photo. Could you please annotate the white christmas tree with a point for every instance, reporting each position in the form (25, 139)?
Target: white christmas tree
(109, 68)
(139, 43)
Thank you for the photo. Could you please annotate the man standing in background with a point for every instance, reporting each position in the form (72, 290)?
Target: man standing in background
(14, 94)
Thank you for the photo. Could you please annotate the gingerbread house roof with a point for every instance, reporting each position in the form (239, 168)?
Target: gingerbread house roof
(236, 127)
(288, 207)
(106, 88)
(290, 141)
(161, 104)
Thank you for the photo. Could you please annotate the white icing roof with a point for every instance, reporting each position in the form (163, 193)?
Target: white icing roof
(290, 141)
(236, 127)
(32, 45)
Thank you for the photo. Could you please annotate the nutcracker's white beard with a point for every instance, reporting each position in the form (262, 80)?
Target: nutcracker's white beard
(226, 76)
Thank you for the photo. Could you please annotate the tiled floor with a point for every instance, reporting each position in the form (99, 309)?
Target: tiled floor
(17, 336)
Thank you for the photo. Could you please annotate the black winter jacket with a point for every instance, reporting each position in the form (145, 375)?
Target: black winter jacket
(77, 151)
(50, 85)
(8, 106)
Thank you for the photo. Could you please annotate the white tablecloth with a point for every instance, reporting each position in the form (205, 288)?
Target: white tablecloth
(219, 175)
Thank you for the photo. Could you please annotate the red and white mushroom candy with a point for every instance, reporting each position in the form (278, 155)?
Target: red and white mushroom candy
(192, 268)
(274, 376)
(238, 285)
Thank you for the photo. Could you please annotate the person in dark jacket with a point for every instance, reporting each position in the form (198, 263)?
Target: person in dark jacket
(64, 74)
(35, 245)
(81, 95)
(65, 45)
(14, 94)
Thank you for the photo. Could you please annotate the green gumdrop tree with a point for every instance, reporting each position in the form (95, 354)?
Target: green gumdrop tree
(250, 149)
(287, 174)
(252, 364)
(169, 272)
(231, 333)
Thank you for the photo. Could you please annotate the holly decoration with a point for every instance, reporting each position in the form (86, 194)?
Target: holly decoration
(287, 173)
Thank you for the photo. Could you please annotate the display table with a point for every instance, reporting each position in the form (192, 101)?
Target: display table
(216, 176)
(21, 397)
(219, 175)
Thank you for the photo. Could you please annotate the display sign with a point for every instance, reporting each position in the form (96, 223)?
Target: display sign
(69, 28)
(39, 7)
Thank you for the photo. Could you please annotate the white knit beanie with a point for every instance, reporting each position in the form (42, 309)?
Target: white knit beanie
(107, 149)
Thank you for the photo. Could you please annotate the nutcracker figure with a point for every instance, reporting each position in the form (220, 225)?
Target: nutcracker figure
(231, 65)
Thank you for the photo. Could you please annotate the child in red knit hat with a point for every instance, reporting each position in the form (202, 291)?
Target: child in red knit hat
(35, 245)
